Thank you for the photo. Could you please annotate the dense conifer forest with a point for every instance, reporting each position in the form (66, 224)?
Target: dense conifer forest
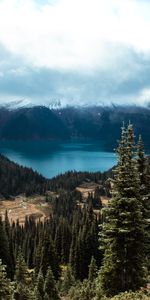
(82, 251)
(15, 179)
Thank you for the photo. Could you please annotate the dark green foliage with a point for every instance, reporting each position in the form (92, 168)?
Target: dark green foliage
(39, 288)
(15, 179)
(50, 291)
(86, 290)
(69, 237)
(64, 204)
(94, 199)
(21, 274)
(53, 242)
(6, 287)
(63, 240)
(92, 270)
(144, 174)
(71, 179)
(68, 281)
(49, 256)
(123, 233)
(84, 243)
(5, 247)
(23, 280)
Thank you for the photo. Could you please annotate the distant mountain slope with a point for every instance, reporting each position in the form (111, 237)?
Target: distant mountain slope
(102, 123)
(15, 179)
(31, 123)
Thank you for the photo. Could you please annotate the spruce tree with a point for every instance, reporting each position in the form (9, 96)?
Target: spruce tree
(144, 173)
(4, 249)
(49, 255)
(92, 270)
(24, 289)
(123, 235)
(39, 288)
(50, 290)
(21, 274)
(68, 281)
(6, 288)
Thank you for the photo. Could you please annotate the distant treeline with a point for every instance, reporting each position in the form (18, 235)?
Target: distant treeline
(97, 122)
(16, 179)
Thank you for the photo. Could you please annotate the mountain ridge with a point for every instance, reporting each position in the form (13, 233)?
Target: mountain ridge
(95, 122)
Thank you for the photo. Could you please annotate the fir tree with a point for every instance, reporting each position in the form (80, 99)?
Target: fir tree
(123, 235)
(144, 173)
(21, 274)
(4, 249)
(23, 280)
(37, 258)
(50, 291)
(6, 288)
(92, 270)
(39, 288)
(68, 280)
(49, 255)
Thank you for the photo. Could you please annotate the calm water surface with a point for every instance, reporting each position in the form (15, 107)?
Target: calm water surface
(52, 158)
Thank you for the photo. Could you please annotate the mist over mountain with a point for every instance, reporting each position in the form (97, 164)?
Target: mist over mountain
(95, 122)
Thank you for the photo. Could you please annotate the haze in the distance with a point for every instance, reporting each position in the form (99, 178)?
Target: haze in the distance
(76, 51)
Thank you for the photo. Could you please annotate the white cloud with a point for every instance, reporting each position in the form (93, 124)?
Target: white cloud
(144, 96)
(74, 34)
(79, 51)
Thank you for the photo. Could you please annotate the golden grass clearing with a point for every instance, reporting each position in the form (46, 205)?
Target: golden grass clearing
(23, 207)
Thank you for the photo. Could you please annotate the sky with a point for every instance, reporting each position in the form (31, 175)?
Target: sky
(76, 51)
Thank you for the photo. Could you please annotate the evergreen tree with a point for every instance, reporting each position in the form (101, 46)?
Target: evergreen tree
(50, 291)
(21, 274)
(24, 288)
(123, 236)
(7, 224)
(68, 281)
(4, 249)
(73, 256)
(39, 288)
(37, 259)
(92, 269)
(6, 288)
(144, 173)
(49, 255)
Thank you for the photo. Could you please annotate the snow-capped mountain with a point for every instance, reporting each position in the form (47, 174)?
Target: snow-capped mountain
(16, 104)
(27, 103)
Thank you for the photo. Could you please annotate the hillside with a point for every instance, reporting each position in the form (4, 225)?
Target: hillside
(103, 123)
(31, 123)
(15, 179)
(97, 122)
(60, 231)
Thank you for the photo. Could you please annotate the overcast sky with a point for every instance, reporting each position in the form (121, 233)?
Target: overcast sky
(78, 51)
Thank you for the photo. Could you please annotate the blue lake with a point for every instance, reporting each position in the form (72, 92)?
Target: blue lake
(52, 158)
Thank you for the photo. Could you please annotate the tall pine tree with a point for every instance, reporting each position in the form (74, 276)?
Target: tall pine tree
(144, 174)
(6, 288)
(39, 288)
(123, 236)
(50, 290)
(23, 281)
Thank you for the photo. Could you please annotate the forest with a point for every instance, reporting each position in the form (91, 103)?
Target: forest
(80, 252)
